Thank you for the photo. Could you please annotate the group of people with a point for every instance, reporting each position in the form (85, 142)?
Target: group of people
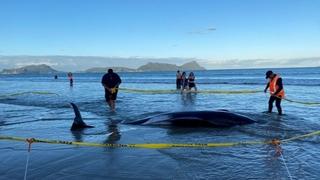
(111, 82)
(185, 83)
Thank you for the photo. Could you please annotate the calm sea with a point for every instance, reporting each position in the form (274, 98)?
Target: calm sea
(37, 106)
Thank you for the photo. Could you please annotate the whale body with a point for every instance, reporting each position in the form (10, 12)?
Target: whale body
(219, 118)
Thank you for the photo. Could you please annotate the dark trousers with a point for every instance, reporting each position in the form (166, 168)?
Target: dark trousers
(178, 82)
(278, 104)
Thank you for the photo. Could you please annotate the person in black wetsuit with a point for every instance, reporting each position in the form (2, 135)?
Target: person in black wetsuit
(191, 80)
(111, 82)
(276, 91)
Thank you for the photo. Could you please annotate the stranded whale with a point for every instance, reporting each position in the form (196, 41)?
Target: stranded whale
(219, 118)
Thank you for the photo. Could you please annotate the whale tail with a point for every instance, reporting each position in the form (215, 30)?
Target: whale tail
(78, 122)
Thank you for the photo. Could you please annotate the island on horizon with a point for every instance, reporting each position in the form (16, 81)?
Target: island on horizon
(149, 67)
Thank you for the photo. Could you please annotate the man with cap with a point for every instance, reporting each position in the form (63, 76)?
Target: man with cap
(276, 90)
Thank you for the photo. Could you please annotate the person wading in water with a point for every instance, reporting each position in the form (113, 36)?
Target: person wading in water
(111, 82)
(276, 91)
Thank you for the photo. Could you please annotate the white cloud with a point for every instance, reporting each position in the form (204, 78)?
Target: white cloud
(262, 63)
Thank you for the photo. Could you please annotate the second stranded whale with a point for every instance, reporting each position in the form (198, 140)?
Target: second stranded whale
(218, 118)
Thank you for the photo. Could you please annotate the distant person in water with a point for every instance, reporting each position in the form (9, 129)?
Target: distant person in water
(111, 82)
(184, 81)
(191, 81)
(70, 77)
(55, 76)
(276, 91)
(178, 79)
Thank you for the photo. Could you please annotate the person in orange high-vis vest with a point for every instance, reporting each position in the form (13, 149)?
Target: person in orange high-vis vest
(276, 91)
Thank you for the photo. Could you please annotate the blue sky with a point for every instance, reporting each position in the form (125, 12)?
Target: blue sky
(204, 29)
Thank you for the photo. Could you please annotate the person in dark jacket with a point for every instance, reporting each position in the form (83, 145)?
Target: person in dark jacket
(111, 82)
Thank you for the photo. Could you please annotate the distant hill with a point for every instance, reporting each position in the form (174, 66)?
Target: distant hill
(158, 67)
(190, 66)
(149, 67)
(193, 65)
(31, 69)
(103, 70)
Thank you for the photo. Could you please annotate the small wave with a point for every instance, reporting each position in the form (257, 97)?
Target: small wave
(31, 121)
(26, 93)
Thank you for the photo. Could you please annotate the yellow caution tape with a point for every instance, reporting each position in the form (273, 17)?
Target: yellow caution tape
(163, 91)
(113, 90)
(229, 91)
(161, 145)
(29, 92)
(315, 133)
(301, 102)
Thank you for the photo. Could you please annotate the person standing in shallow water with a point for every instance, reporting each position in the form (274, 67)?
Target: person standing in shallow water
(178, 80)
(111, 82)
(276, 91)
(70, 77)
(184, 81)
(191, 81)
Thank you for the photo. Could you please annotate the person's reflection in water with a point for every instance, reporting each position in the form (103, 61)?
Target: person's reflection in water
(115, 133)
(189, 99)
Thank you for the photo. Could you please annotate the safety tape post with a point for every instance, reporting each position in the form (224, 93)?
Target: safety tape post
(29, 141)
(277, 144)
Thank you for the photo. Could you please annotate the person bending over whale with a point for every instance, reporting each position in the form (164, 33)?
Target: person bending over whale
(111, 82)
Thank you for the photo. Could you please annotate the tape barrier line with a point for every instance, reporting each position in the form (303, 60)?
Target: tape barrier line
(315, 133)
(146, 91)
(301, 102)
(146, 145)
(28, 92)
(161, 145)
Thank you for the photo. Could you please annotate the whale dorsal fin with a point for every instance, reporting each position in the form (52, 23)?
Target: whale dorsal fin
(78, 122)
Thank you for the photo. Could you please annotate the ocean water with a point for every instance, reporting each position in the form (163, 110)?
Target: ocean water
(38, 106)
